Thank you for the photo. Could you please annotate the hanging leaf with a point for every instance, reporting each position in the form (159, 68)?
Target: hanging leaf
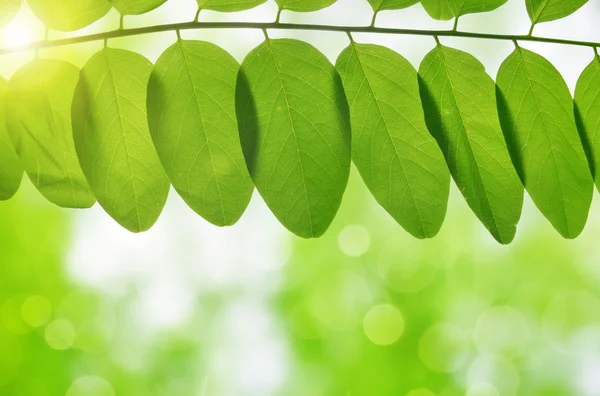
(448, 9)
(136, 7)
(38, 116)
(460, 111)
(304, 5)
(550, 10)
(8, 10)
(113, 141)
(11, 171)
(228, 5)
(381, 5)
(536, 111)
(191, 108)
(587, 113)
(397, 157)
(69, 15)
(295, 131)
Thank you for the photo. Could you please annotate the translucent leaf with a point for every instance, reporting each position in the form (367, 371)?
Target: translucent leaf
(304, 5)
(295, 131)
(191, 108)
(550, 10)
(11, 171)
(394, 152)
(587, 113)
(381, 5)
(69, 15)
(448, 9)
(136, 7)
(460, 111)
(38, 116)
(113, 140)
(536, 111)
(8, 10)
(229, 5)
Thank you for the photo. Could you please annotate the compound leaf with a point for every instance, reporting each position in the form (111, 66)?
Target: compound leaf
(38, 115)
(191, 108)
(587, 113)
(113, 140)
(295, 131)
(394, 152)
(69, 15)
(11, 171)
(304, 5)
(460, 111)
(536, 111)
(136, 7)
(550, 10)
(228, 5)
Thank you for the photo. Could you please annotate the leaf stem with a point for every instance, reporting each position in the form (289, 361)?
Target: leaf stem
(43, 44)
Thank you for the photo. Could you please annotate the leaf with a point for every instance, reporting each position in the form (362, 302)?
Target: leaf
(381, 5)
(38, 116)
(397, 157)
(460, 111)
(8, 10)
(136, 7)
(536, 111)
(304, 5)
(295, 131)
(11, 171)
(191, 108)
(448, 9)
(69, 15)
(587, 114)
(550, 10)
(113, 140)
(228, 5)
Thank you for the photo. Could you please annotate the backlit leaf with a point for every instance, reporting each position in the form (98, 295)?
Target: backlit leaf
(536, 111)
(304, 5)
(136, 7)
(69, 15)
(228, 5)
(191, 108)
(8, 10)
(113, 140)
(38, 116)
(397, 157)
(550, 10)
(448, 9)
(381, 5)
(587, 113)
(11, 171)
(295, 131)
(460, 111)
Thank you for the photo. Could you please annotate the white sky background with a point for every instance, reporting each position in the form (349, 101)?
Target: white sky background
(183, 257)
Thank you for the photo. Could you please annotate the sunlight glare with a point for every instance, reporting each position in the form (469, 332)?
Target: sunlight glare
(21, 31)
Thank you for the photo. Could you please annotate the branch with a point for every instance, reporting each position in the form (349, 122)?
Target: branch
(43, 44)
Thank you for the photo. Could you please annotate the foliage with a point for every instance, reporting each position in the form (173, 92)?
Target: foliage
(287, 121)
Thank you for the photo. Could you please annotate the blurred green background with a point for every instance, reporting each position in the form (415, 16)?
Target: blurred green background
(87, 309)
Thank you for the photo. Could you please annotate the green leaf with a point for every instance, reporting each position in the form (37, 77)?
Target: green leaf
(398, 159)
(136, 7)
(587, 114)
(295, 131)
(381, 5)
(191, 108)
(38, 116)
(228, 5)
(113, 140)
(460, 111)
(8, 10)
(69, 15)
(304, 5)
(550, 10)
(11, 171)
(536, 111)
(448, 9)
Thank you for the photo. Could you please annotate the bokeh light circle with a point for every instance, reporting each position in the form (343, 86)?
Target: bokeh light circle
(384, 324)
(354, 240)
(496, 371)
(443, 348)
(501, 329)
(36, 311)
(90, 386)
(60, 334)
(483, 389)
